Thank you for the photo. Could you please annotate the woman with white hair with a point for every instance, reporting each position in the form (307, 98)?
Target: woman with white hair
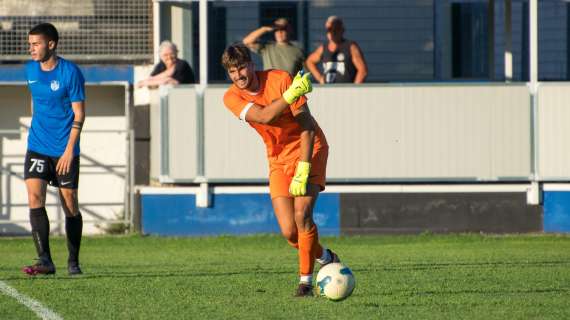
(170, 69)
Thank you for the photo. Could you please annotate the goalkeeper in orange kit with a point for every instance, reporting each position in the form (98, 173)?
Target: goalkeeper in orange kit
(275, 106)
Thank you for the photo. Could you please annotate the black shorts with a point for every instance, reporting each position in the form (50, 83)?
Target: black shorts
(39, 166)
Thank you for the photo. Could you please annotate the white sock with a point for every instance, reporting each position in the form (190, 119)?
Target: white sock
(306, 279)
(325, 258)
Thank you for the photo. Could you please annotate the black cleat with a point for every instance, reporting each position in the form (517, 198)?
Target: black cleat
(73, 269)
(304, 290)
(334, 258)
(41, 267)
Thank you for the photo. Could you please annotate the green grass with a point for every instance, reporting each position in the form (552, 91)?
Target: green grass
(398, 277)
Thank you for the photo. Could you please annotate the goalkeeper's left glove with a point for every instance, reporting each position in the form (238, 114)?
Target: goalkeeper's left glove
(298, 186)
(300, 86)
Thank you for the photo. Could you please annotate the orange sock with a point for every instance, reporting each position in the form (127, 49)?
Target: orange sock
(317, 248)
(309, 249)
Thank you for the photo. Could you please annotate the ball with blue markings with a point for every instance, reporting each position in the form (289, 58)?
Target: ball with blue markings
(335, 281)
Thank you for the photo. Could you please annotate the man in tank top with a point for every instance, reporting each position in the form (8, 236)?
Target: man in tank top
(342, 60)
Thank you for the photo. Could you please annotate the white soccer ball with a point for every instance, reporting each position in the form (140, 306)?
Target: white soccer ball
(335, 281)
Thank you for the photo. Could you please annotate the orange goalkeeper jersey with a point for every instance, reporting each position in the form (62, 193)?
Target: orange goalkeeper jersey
(281, 137)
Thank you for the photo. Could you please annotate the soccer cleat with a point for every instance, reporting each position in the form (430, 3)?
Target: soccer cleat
(304, 290)
(73, 269)
(334, 258)
(41, 267)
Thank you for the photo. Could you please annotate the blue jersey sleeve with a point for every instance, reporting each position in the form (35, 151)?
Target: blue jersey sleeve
(76, 86)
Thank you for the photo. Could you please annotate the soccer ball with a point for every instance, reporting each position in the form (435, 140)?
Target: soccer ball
(335, 281)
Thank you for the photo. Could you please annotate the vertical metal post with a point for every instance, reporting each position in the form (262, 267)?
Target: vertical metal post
(533, 40)
(435, 61)
(508, 41)
(129, 217)
(156, 29)
(129, 170)
(534, 194)
(203, 19)
(200, 148)
(201, 89)
(203, 196)
(491, 39)
(164, 134)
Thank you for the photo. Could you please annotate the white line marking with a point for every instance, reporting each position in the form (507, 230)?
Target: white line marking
(35, 306)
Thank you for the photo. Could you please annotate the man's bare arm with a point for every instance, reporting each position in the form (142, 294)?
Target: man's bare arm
(359, 63)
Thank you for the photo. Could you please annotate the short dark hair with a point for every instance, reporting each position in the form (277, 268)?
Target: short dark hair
(236, 55)
(47, 30)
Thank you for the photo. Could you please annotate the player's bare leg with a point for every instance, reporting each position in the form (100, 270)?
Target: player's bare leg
(36, 192)
(285, 214)
(40, 227)
(73, 228)
(310, 247)
(295, 218)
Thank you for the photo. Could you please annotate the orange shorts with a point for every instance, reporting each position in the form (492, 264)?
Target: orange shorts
(281, 174)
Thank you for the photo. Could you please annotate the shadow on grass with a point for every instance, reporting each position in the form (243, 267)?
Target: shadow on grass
(142, 275)
(199, 270)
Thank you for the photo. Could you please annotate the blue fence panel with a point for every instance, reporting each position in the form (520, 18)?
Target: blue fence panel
(177, 215)
(557, 211)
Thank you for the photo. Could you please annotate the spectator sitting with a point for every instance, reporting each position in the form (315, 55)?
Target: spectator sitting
(170, 69)
(279, 54)
(342, 59)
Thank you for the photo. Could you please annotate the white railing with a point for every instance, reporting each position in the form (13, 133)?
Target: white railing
(377, 133)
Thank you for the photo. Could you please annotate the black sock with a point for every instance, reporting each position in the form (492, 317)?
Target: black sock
(73, 230)
(40, 232)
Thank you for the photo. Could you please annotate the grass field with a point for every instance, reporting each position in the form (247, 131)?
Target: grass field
(398, 277)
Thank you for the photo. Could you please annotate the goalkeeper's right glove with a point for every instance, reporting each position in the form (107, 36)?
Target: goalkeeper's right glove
(298, 186)
(300, 86)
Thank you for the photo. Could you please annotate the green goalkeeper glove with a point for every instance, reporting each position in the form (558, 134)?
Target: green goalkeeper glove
(301, 85)
(298, 186)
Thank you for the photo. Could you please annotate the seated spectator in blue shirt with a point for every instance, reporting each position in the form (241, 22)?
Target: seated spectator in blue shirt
(170, 69)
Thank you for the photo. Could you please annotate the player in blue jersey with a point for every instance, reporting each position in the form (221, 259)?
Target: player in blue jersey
(58, 111)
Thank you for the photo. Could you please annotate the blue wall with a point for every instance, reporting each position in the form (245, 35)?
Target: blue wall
(91, 73)
(557, 211)
(177, 215)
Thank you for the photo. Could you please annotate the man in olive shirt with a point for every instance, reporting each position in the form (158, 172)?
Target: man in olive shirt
(279, 54)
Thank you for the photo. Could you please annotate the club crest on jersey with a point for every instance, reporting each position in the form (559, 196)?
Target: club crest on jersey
(54, 85)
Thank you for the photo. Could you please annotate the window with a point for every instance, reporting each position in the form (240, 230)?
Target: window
(470, 40)
(216, 42)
